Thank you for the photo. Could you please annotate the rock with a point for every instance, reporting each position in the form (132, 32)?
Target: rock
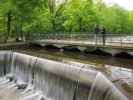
(21, 85)
(10, 77)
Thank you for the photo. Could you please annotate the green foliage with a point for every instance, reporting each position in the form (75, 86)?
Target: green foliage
(130, 22)
(79, 16)
(115, 19)
(71, 15)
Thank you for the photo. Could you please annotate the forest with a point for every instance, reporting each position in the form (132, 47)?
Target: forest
(19, 17)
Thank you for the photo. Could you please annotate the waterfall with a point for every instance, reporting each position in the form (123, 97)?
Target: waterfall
(92, 88)
(107, 90)
(42, 79)
(5, 62)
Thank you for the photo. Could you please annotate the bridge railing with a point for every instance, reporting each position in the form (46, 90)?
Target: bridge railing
(95, 39)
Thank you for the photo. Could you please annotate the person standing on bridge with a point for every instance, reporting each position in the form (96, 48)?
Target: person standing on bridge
(104, 35)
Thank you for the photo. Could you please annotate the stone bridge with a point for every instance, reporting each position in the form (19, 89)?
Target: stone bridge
(109, 43)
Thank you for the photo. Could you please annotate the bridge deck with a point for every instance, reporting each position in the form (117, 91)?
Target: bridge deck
(88, 43)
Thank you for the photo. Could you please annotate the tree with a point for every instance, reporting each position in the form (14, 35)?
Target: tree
(130, 22)
(18, 18)
(79, 16)
(114, 18)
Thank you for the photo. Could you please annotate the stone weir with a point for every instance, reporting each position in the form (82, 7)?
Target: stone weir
(51, 80)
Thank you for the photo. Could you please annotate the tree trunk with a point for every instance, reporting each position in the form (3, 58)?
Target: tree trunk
(80, 24)
(9, 19)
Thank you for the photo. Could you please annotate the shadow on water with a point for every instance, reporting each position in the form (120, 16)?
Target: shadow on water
(98, 52)
(124, 55)
(51, 47)
(71, 49)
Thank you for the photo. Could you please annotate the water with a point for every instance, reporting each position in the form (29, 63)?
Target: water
(96, 60)
(118, 70)
(53, 78)
(60, 81)
(109, 92)
(9, 91)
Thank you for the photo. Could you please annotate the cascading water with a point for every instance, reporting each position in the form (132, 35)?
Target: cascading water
(41, 79)
(108, 90)
(5, 62)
